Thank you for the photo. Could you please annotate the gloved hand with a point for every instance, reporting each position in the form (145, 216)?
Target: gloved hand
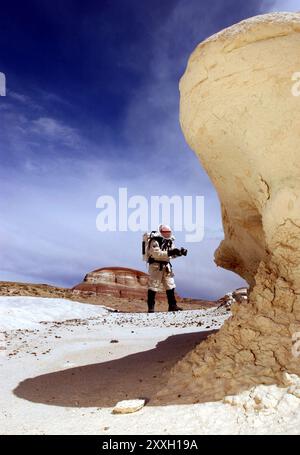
(174, 252)
(183, 251)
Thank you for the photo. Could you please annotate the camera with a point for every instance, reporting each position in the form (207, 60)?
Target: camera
(183, 251)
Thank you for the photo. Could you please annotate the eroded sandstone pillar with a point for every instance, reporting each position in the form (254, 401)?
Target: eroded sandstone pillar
(239, 114)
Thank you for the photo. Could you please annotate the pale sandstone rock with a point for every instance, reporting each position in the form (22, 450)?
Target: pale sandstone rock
(265, 398)
(128, 406)
(262, 398)
(239, 115)
(257, 398)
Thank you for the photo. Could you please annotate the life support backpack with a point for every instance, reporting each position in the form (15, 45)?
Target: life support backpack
(148, 237)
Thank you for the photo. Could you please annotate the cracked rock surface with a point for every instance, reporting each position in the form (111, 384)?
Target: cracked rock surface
(239, 114)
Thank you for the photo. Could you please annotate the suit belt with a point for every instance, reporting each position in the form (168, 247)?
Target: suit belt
(161, 263)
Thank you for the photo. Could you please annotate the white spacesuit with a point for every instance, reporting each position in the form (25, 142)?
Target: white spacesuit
(160, 250)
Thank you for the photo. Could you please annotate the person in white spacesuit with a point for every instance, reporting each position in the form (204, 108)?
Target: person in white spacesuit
(161, 248)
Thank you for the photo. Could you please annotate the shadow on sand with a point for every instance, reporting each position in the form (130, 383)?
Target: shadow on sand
(139, 375)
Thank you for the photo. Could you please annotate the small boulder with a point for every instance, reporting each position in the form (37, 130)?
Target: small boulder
(128, 406)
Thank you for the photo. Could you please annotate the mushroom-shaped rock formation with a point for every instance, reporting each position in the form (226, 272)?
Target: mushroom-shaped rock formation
(239, 114)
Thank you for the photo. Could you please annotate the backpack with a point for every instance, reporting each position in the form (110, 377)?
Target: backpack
(147, 237)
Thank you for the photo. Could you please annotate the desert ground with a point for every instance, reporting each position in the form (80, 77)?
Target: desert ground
(65, 365)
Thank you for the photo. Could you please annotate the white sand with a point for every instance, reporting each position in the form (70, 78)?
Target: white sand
(60, 373)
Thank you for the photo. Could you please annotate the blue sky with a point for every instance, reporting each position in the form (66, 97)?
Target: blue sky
(91, 106)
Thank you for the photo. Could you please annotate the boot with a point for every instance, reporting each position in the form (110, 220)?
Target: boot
(172, 300)
(151, 300)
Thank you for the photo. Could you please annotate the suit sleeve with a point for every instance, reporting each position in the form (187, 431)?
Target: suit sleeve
(172, 247)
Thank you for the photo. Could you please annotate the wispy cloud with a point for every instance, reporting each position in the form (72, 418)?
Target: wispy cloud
(51, 129)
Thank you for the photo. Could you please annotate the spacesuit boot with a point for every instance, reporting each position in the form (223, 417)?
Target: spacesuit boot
(151, 300)
(172, 300)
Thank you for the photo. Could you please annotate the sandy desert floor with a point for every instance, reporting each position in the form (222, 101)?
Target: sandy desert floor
(64, 365)
(127, 305)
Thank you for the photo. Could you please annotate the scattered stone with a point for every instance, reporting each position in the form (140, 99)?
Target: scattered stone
(128, 406)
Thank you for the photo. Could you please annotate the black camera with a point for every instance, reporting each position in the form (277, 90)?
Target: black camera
(183, 251)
